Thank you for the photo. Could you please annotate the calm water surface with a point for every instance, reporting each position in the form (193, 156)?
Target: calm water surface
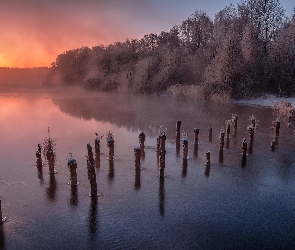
(224, 207)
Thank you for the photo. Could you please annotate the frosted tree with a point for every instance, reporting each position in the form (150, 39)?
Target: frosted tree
(267, 17)
(225, 20)
(249, 44)
(222, 74)
(196, 31)
(282, 55)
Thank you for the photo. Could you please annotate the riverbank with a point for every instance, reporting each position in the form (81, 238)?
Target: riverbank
(267, 101)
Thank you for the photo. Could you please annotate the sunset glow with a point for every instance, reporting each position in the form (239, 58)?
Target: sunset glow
(34, 32)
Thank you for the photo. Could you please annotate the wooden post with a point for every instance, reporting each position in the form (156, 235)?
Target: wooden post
(178, 125)
(90, 154)
(185, 148)
(162, 154)
(273, 145)
(208, 154)
(227, 129)
(251, 133)
(141, 138)
(277, 127)
(210, 134)
(92, 179)
(251, 137)
(72, 164)
(137, 154)
(97, 152)
(221, 145)
(244, 152)
(51, 161)
(39, 157)
(253, 121)
(1, 219)
(196, 131)
(111, 145)
(235, 121)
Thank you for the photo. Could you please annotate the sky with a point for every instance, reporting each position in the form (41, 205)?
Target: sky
(34, 32)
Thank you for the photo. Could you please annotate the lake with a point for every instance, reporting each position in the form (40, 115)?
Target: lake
(224, 206)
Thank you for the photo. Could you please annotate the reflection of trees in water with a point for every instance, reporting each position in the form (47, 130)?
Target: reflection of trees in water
(146, 113)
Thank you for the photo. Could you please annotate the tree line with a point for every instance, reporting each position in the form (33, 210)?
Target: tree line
(246, 50)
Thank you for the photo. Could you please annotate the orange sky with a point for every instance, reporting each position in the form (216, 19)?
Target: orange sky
(34, 32)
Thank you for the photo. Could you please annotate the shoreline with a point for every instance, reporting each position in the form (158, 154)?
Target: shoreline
(266, 101)
(270, 101)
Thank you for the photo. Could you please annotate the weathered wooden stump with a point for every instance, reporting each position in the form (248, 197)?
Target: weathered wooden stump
(210, 134)
(72, 164)
(97, 152)
(92, 179)
(208, 155)
(177, 139)
(137, 153)
(185, 148)
(39, 156)
(162, 154)
(221, 137)
(244, 152)
(141, 138)
(196, 132)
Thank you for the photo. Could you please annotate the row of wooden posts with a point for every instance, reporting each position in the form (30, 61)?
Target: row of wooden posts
(161, 151)
(139, 152)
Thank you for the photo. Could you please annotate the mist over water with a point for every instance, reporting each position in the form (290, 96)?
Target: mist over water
(223, 206)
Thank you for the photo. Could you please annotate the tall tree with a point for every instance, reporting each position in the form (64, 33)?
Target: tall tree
(223, 73)
(282, 55)
(267, 17)
(196, 31)
(224, 21)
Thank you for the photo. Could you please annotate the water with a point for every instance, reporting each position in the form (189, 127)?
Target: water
(223, 207)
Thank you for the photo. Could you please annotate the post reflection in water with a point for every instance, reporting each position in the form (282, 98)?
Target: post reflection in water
(2, 237)
(244, 159)
(184, 167)
(137, 183)
(52, 188)
(92, 218)
(196, 149)
(277, 139)
(74, 195)
(207, 171)
(162, 196)
(111, 169)
(220, 155)
(40, 174)
(250, 149)
(178, 148)
(227, 142)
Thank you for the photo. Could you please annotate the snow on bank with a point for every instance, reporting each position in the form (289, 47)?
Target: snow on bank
(267, 101)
